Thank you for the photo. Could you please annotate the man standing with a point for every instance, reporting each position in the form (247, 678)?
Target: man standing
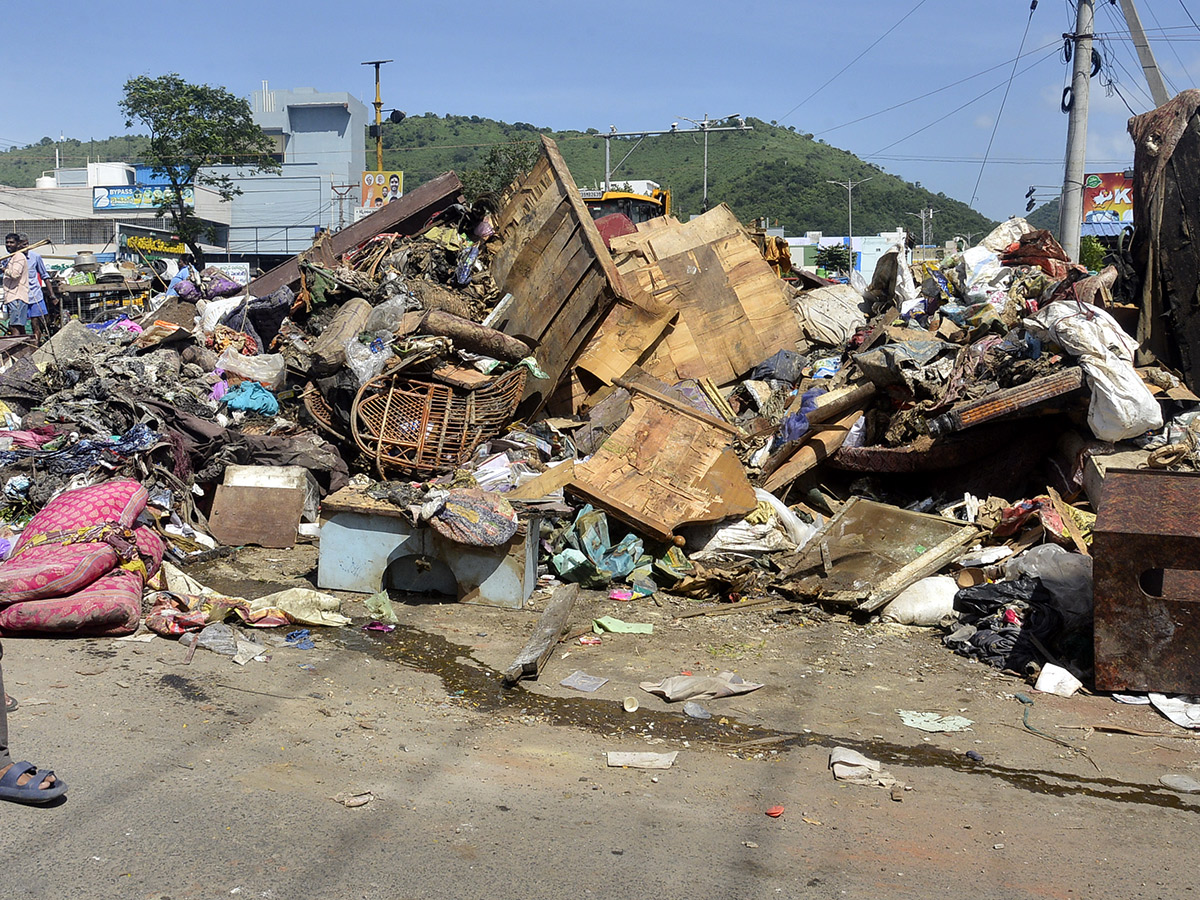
(16, 286)
(40, 289)
(22, 782)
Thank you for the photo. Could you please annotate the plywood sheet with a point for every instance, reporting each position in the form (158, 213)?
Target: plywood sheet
(732, 311)
(263, 516)
(665, 466)
(554, 263)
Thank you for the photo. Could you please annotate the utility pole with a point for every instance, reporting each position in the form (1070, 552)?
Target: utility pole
(342, 191)
(926, 217)
(1070, 216)
(1154, 78)
(849, 184)
(704, 126)
(378, 114)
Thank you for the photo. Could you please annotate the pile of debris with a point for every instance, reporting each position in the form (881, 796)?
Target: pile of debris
(522, 400)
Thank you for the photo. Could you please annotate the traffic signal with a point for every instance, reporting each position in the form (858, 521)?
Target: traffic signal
(396, 116)
(1030, 205)
(1029, 193)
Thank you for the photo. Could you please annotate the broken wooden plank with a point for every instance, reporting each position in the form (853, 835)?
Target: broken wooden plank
(408, 215)
(554, 263)
(834, 403)
(553, 622)
(822, 445)
(665, 466)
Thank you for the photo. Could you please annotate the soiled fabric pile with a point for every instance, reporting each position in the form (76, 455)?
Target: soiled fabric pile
(80, 565)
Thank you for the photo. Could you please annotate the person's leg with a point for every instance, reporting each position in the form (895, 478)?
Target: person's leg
(5, 759)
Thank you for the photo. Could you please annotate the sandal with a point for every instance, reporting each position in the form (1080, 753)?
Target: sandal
(10, 703)
(31, 791)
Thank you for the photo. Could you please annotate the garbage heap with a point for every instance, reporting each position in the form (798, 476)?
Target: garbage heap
(484, 398)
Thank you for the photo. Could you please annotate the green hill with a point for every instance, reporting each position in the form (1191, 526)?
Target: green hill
(770, 172)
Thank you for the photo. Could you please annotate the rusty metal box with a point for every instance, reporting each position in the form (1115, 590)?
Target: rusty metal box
(1147, 587)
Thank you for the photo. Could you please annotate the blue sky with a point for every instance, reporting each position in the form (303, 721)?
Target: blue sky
(551, 64)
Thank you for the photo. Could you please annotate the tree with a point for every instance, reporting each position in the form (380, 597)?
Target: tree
(194, 127)
(834, 258)
(503, 164)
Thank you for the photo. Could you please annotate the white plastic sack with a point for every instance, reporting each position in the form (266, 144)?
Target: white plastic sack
(1122, 407)
(923, 603)
(214, 310)
(795, 527)
(268, 369)
(982, 276)
(830, 315)
(1005, 233)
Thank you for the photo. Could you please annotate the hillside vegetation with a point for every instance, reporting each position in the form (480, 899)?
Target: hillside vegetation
(770, 172)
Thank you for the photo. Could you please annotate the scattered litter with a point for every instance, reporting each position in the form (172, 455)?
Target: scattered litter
(1057, 680)
(617, 626)
(380, 607)
(641, 760)
(581, 681)
(850, 765)
(695, 710)
(775, 812)
(932, 722)
(700, 687)
(353, 801)
(1185, 784)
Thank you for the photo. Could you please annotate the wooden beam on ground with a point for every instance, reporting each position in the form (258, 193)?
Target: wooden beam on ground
(552, 623)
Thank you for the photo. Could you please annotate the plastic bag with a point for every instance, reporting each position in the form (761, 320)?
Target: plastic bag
(368, 360)
(925, 603)
(1066, 575)
(212, 311)
(269, 370)
(388, 315)
(830, 315)
(1122, 407)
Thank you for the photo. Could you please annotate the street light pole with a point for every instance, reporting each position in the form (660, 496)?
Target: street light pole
(704, 126)
(378, 114)
(850, 185)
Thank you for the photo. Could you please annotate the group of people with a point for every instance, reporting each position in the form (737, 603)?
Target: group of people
(27, 288)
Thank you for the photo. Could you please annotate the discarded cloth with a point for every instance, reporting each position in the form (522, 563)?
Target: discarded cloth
(252, 396)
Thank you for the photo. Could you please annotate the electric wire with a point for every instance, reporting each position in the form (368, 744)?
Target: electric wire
(1188, 14)
(1174, 52)
(959, 109)
(839, 73)
(928, 94)
(1003, 101)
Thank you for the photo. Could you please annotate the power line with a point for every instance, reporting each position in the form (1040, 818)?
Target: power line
(1003, 100)
(958, 109)
(1174, 52)
(1189, 15)
(834, 77)
(928, 94)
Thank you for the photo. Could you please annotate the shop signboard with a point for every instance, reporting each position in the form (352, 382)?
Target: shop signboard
(1107, 198)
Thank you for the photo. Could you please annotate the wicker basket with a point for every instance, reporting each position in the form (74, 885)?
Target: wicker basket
(421, 427)
(320, 411)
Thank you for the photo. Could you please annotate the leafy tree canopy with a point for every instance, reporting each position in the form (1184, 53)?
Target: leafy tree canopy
(192, 128)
